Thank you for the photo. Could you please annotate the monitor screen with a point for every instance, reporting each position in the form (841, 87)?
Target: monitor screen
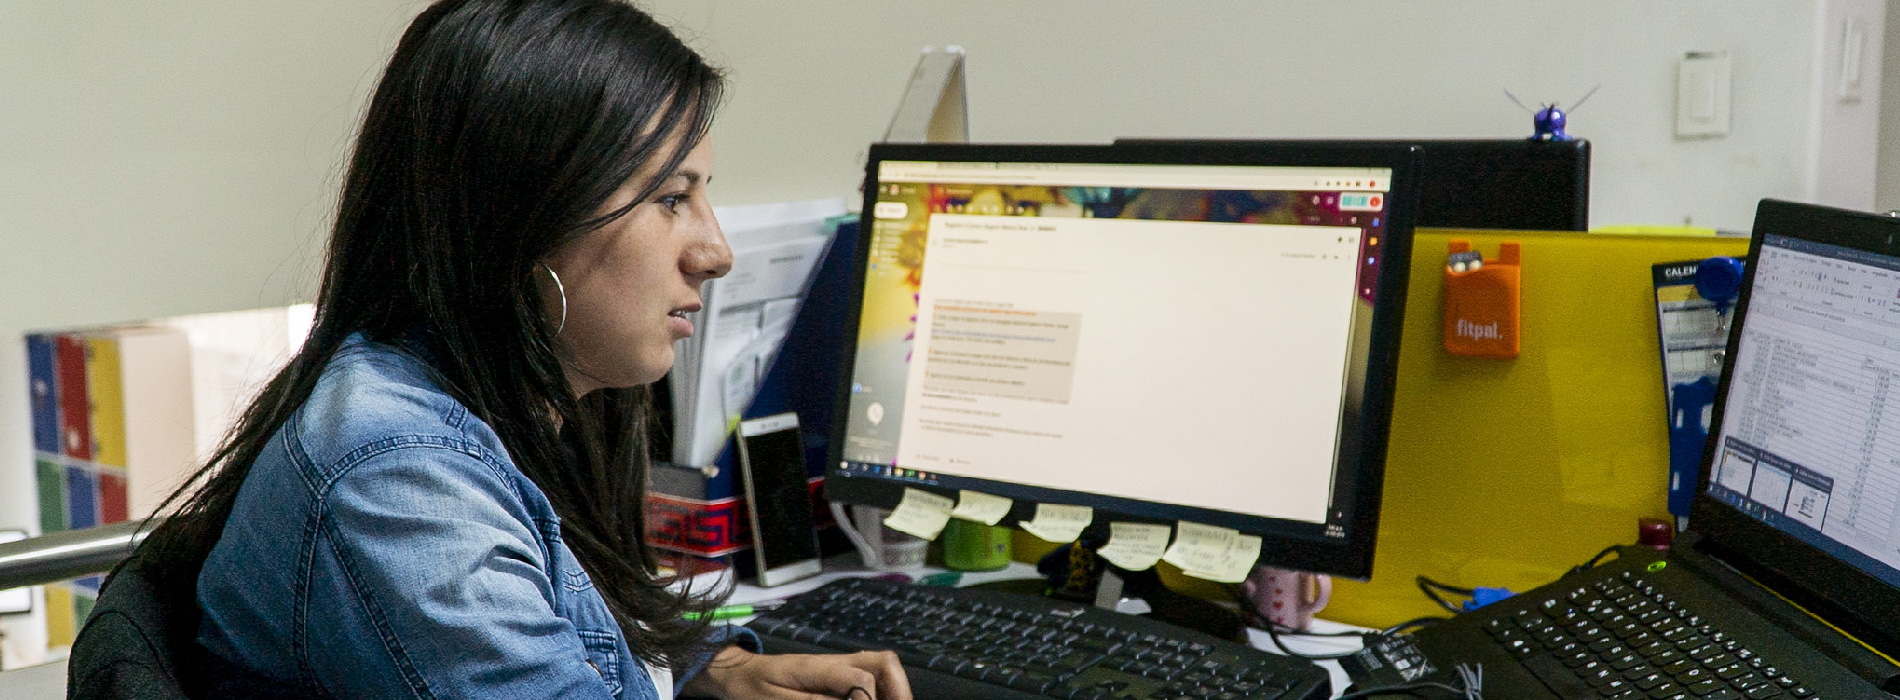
(1165, 334)
(1803, 445)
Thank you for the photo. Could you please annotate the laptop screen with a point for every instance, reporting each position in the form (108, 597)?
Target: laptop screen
(1809, 442)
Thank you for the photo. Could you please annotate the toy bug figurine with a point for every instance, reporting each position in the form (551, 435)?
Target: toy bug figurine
(1547, 124)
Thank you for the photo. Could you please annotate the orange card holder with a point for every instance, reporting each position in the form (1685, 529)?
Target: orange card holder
(1481, 302)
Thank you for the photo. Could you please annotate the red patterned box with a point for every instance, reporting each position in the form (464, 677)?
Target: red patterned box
(712, 528)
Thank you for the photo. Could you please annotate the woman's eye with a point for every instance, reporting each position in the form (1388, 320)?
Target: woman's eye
(672, 202)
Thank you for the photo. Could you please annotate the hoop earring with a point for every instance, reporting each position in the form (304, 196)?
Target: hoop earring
(563, 290)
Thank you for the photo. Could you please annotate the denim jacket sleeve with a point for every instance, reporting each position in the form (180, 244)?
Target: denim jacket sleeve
(432, 554)
(722, 637)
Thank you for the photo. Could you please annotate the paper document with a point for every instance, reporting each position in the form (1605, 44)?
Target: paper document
(1232, 565)
(1135, 546)
(1059, 523)
(744, 319)
(921, 514)
(981, 507)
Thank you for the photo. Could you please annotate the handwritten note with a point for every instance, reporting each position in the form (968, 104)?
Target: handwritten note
(1059, 523)
(1135, 546)
(1199, 547)
(981, 507)
(921, 514)
(1234, 563)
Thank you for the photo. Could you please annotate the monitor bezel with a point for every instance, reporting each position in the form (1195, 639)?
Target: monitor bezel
(1460, 183)
(1852, 599)
(1351, 556)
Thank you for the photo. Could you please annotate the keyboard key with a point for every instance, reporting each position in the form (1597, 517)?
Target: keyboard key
(1668, 689)
(1692, 676)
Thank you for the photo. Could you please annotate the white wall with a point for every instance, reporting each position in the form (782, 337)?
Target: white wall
(1846, 126)
(165, 158)
(813, 82)
(1887, 190)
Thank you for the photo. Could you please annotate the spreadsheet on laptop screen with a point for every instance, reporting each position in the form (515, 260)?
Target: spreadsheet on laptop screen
(1810, 437)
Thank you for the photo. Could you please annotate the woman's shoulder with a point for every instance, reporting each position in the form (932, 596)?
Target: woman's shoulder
(374, 398)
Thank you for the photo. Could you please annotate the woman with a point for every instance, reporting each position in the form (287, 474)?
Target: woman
(441, 495)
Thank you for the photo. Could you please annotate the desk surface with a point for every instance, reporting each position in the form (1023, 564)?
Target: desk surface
(848, 565)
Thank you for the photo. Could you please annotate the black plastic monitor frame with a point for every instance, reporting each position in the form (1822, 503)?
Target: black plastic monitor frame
(1844, 595)
(1513, 184)
(1350, 556)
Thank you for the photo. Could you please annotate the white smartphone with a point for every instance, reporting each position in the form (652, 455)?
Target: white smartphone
(778, 498)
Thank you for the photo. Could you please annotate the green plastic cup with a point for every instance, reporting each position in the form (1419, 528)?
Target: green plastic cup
(973, 546)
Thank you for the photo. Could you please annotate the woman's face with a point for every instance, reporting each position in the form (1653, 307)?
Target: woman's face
(630, 284)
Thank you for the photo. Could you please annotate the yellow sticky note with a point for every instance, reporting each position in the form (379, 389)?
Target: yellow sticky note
(1234, 563)
(981, 507)
(1059, 523)
(1199, 547)
(1135, 546)
(921, 514)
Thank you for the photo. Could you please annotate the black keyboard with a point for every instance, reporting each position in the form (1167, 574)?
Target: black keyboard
(968, 643)
(1621, 637)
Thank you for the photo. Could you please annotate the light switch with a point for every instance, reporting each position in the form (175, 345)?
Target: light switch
(1853, 45)
(1702, 94)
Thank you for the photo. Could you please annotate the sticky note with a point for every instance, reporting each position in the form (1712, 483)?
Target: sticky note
(920, 514)
(981, 507)
(1059, 523)
(1135, 546)
(1198, 547)
(1234, 563)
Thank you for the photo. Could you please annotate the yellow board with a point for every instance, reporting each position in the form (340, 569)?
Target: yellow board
(59, 616)
(1509, 472)
(107, 394)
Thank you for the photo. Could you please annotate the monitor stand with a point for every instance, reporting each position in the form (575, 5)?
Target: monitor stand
(1087, 578)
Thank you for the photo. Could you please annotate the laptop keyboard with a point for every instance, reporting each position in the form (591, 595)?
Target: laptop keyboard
(1623, 638)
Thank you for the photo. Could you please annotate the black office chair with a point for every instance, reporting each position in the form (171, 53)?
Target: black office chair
(130, 646)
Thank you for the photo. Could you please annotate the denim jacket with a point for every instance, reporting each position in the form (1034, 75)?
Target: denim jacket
(385, 546)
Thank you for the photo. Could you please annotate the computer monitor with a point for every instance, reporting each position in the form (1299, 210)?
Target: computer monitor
(1161, 333)
(1515, 184)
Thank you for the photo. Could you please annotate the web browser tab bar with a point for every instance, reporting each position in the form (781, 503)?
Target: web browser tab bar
(1210, 177)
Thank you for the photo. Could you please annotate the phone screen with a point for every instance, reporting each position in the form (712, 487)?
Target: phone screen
(772, 460)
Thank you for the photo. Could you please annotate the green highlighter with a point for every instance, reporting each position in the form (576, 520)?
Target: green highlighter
(727, 612)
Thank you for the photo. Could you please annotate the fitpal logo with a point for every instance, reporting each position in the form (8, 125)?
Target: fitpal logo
(1476, 332)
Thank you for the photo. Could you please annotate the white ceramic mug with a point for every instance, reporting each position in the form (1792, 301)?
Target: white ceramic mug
(882, 548)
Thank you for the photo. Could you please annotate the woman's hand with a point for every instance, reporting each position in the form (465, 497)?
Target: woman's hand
(737, 674)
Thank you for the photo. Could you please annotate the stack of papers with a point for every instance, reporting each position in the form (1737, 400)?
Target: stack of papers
(744, 319)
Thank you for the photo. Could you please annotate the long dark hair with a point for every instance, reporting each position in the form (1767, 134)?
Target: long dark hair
(499, 129)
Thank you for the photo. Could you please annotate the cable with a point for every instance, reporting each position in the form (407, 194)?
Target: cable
(1435, 590)
(1430, 588)
(1275, 637)
(1470, 686)
(1414, 623)
(1588, 565)
(1252, 616)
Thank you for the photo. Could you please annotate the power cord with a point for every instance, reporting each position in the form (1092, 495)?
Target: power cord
(1470, 686)
(1432, 588)
(1256, 619)
(1484, 595)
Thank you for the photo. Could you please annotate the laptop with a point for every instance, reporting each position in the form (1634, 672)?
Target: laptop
(1786, 582)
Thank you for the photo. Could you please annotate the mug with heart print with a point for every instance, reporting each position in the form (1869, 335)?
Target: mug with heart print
(1287, 598)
